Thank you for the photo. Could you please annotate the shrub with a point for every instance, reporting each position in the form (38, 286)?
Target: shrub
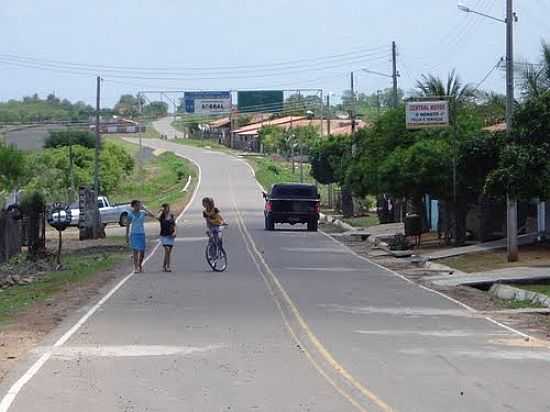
(62, 138)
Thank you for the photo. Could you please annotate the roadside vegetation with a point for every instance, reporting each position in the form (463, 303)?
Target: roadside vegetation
(540, 288)
(78, 267)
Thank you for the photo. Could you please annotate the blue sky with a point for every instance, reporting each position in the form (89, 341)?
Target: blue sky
(432, 37)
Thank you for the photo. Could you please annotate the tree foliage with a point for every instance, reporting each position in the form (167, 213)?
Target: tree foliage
(62, 138)
(51, 169)
(34, 109)
(155, 109)
(13, 168)
(329, 159)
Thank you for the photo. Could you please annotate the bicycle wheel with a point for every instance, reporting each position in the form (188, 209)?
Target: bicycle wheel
(216, 257)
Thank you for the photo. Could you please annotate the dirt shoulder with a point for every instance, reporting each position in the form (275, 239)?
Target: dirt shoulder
(33, 310)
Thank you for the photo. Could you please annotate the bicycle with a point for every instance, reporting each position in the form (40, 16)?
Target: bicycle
(215, 253)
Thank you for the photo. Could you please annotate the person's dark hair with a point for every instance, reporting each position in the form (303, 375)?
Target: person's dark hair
(165, 205)
(134, 202)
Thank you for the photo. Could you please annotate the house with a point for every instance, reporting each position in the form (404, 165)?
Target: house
(246, 137)
(118, 125)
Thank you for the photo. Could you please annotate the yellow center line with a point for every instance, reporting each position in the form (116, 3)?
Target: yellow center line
(271, 279)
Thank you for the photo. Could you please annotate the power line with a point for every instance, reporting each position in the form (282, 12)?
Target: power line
(279, 73)
(95, 67)
(496, 66)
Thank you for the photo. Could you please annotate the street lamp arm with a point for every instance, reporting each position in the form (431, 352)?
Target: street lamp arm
(466, 9)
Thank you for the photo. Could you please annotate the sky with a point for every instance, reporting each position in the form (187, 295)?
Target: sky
(251, 44)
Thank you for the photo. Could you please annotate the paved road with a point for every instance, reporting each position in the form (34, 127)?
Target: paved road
(30, 138)
(297, 323)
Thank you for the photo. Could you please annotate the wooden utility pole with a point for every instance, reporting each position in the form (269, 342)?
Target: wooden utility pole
(328, 114)
(97, 135)
(395, 74)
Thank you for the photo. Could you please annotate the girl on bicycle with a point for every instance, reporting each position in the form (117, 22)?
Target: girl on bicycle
(212, 214)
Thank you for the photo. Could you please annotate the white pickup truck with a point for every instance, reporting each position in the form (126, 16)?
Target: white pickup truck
(110, 213)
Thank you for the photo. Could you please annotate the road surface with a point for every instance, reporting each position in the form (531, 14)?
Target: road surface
(297, 323)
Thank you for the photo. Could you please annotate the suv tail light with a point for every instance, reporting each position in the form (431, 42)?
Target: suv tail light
(268, 206)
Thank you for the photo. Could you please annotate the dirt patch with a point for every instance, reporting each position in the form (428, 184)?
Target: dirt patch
(27, 328)
(537, 255)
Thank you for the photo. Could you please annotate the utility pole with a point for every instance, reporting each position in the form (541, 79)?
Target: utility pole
(395, 74)
(328, 114)
(511, 204)
(97, 136)
(352, 114)
(142, 174)
(321, 115)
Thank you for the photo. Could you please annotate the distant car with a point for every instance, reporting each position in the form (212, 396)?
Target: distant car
(292, 203)
(110, 213)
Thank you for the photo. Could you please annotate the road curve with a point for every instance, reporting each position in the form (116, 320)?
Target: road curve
(297, 323)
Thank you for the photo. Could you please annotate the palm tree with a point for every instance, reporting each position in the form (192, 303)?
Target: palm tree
(431, 86)
(536, 77)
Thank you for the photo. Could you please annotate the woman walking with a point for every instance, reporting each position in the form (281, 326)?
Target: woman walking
(167, 234)
(135, 232)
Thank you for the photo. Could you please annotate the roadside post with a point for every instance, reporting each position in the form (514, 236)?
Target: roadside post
(59, 217)
(434, 112)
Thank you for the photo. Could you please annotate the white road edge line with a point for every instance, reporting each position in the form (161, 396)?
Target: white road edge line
(467, 307)
(14, 390)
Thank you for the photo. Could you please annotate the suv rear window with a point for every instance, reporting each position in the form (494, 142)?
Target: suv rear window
(298, 192)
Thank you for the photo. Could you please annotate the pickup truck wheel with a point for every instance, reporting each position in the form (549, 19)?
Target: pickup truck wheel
(123, 219)
(313, 226)
(269, 224)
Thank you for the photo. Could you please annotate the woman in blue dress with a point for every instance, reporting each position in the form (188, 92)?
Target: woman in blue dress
(135, 233)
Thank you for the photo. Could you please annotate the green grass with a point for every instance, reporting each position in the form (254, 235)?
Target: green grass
(519, 304)
(363, 221)
(161, 181)
(131, 148)
(204, 143)
(78, 268)
(542, 288)
(270, 171)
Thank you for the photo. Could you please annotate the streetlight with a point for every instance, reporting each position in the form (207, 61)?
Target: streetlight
(511, 209)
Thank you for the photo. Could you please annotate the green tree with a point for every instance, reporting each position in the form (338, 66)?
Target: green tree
(69, 137)
(329, 159)
(429, 86)
(128, 105)
(536, 78)
(271, 137)
(13, 168)
(155, 109)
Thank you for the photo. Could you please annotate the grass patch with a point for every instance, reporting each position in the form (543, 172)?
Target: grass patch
(363, 221)
(78, 268)
(541, 288)
(518, 304)
(160, 181)
(270, 171)
(532, 255)
(204, 143)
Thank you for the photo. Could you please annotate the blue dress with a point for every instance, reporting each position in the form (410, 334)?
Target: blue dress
(137, 230)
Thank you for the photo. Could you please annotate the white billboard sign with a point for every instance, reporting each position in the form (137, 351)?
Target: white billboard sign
(422, 114)
(207, 102)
